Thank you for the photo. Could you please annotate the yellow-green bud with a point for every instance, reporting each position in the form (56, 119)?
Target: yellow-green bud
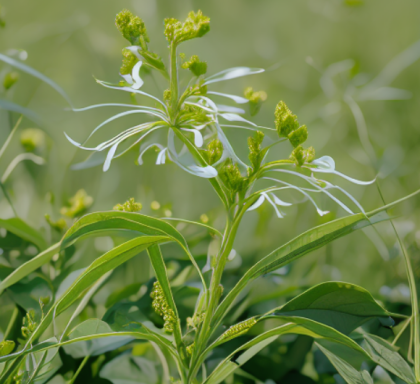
(132, 28)
(299, 136)
(196, 66)
(59, 225)
(214, 151)
(161, 307)
(285, 121)
(32, 138)
(238, 329)
(6, 347)
(10, 79)
(254, 145)
(192, 112)
(231, 176)
(129, 206)
(29, 324)
(301, 156)
(129, 61)
(77, 204)
(255, 100)
(196, 25)
(190, 349)
(310, 154)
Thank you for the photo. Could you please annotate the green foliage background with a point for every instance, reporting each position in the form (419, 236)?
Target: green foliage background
(72, 42)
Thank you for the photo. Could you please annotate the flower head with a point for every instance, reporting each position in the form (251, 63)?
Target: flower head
(79, 203)
(254, 145)
(129, 206)
(132, 28)
(238, 329)
(255, 100)
(195, 25)
(161, 307)
(214, 151)
(196, 66)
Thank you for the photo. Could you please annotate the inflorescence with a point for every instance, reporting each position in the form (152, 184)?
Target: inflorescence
(238, 329)
(161, 307)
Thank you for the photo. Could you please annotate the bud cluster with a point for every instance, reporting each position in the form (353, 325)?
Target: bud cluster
(196, 66)
(10, 79)
(132, 28)
(190, 349)
(231, 176)
(77, 204)
(214, 151)
(192, 112)
(129, 206)
(161, 307)
(129, 61)
(287, 125)
(29, 324)
(255, 100)
(196, 25)
(254, 145)
(238, 329)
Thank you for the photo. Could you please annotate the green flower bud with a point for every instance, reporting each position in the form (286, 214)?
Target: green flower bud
(196, 66)
(285, 121)
(190, 349)
(129, 61)
(129, 206)
(32, 138)
(196, 25)
(301, 156)
(161, 307)
(132, 28)
(167, 95)
(6, 347)
(238, 329)
(29, 324)
(231, 176)
(310, 154)
(79, 203)
(299, 136)
(10, 79)
(59, 225)
(192, 112)
(214, 151)
(255, 100)
(254, 145)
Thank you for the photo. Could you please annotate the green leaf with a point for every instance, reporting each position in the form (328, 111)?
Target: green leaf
(95, 223)
(299, 326)
(300, 246)
(20, 228)
(13, 107)
(347, 372)
(28, 267)
(386, 355)
(342, 306)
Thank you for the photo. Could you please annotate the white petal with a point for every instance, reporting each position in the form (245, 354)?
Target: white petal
(228, 108)
(143, 150)
(135, 50)
(198, 137)
(325, 162)
(257, 203)
(138, 82)
(280, 202)
(161, 157)
(109, 157)
(235, 117)
(279, 215)
(128, 79)
(236, 99)
(232, 73)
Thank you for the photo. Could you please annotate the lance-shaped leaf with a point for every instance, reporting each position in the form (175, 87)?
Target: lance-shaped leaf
(28, 267)
(297, 326)
(19, 228)
(95, 223)
(302, 245)
(342, 306)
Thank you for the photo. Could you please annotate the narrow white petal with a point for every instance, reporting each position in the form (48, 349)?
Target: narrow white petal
(236, 99)
(232, 73)
(109, 157)
(257, 204)
(128, 79)
(280, 202)
(278, 213)
(138, 82)
(143, 150)
(198, 137)
(325, 162)
(228, 108)
(235, 117)
(161, 157)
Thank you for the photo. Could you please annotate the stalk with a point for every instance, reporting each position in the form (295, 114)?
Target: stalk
(174, 82)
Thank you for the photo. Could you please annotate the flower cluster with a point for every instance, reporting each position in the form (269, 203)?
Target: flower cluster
(77, 204)
(132, 28)
(29, 324)
(129, 206)
(238, 329)
(196, 66)
(214, 151)
(161, 307)
(255, 100)
(255, 153)
(196, 25)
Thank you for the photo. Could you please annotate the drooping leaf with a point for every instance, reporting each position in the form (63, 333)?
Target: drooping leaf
(23, 230)
(342, 306)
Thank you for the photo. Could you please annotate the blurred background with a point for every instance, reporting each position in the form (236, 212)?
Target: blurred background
(348, 68)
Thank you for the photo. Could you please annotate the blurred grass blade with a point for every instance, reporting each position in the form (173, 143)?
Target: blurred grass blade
(415, 321)
(19, 228)
(19, 158)
(34, 73)
(28, 267)
(303, 244)
(9, 138)
(9, 106)
(298, 326)
(350, 374)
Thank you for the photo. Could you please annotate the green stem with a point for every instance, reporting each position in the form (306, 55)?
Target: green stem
(82, 364)
(174, 82)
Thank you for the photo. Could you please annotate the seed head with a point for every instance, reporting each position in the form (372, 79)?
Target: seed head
(238, 329)
(161, 307)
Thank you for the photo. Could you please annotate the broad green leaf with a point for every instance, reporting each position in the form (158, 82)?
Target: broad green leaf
(342, 306)
(347, 371)
(18, 227)
(386, 355)
(302, 245)
(28, 267)
(95, 223)
(299, 326)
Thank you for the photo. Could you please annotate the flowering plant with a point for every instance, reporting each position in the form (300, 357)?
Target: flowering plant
(194, 124)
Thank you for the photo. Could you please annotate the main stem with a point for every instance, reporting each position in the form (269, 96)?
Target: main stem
(173, 83)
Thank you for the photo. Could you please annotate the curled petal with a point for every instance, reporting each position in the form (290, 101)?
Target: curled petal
(236, 99)
(138, 82)
(198, 137)
(143, 150)
(161, 157)
(280, 202)
(109, 157)
(257, 204)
